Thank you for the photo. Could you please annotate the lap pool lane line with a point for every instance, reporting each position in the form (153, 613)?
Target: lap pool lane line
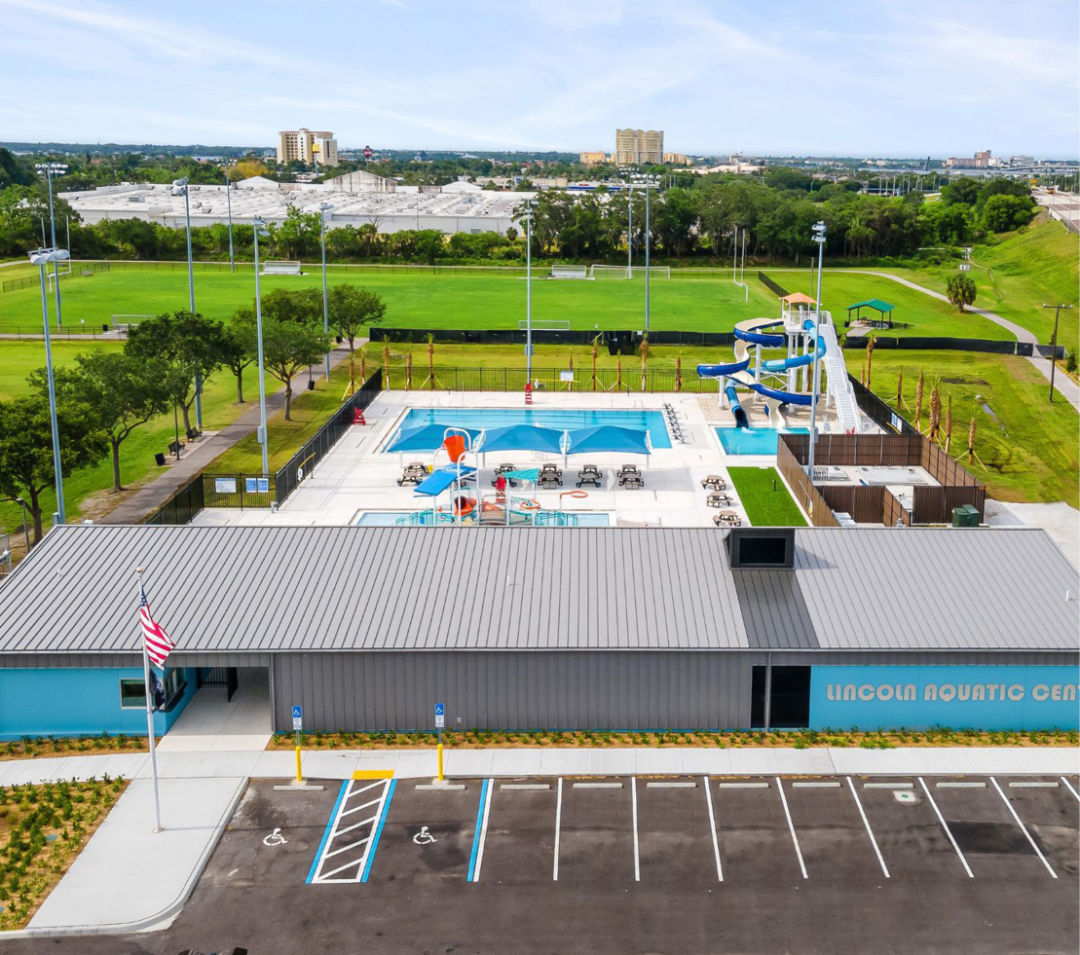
(483, 810)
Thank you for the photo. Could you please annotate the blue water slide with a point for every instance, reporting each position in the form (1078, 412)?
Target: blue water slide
(741, 421)
(719, 371)
(776, 365)
(760, 338)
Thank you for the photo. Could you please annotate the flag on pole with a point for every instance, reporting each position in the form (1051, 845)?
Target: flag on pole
(158, 643)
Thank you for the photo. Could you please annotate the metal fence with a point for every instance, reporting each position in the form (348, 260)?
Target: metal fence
(877, 410)
(300, 465)
(772, 286)
(629, 379)
(78, 270)
(614, 341)
(182, 506)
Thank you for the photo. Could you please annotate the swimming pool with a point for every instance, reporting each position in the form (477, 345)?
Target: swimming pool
(753, 440)
(536, 519)
(560, 419)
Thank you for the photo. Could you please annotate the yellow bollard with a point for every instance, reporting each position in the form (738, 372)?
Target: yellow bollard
(299, 775)
(439, 749)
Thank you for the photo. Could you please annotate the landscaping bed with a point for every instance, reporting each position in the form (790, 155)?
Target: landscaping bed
(30, 747)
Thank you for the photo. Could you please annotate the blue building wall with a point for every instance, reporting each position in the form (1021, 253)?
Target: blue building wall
(957, 697)
(76, 702)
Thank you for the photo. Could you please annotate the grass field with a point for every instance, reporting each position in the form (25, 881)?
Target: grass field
(1027, 447)
(765, 497)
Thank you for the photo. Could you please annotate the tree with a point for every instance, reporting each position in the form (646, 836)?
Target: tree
(352, 308)
(960, 290)
(119, 392)
(291, 332)
(187, 344)
(26, 460)
(236, 351)
(1003, 213)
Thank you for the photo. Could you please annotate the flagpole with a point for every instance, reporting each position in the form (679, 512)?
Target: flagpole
(149, 714)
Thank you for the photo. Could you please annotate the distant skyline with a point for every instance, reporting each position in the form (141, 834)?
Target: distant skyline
(870, 78)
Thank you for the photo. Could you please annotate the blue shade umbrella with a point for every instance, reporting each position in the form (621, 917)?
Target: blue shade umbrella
(427, 438)
(523, 437)
(607, 437)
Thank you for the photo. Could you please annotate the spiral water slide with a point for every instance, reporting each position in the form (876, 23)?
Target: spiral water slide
(753, 332)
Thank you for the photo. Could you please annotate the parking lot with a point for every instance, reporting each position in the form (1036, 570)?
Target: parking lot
(765, 864)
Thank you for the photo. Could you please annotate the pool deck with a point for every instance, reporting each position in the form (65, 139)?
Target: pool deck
(356, 476)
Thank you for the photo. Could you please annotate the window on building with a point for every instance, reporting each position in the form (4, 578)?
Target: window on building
(133, 697)
(789, 706)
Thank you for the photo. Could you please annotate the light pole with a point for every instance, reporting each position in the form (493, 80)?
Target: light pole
(228, 200)
(648, 242)
(49, 168)
(819, 238)
(182, 187)
(324, 207)
(25, 521)
(260, 225)
(528, 299)
(40, 258)
(629, 230)
(1053, 344)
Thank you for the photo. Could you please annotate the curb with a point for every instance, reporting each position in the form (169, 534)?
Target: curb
(151, 922)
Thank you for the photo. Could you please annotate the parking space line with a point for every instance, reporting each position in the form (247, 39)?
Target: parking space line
(326, 832)
(373, 848)
(945, 826)
(633, 806)
(558, 824)
(1023, 828)
(483, 810)
(950, 784)
(1069, 787)
(888, 785)
(791, 828)
(1035, 784)
(869, 831)
(712, 826)
(360, 849)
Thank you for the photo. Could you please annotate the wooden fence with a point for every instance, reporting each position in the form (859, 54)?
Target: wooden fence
(806, 494)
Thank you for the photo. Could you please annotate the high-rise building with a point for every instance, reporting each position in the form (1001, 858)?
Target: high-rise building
(592, 158)
(308, 146)
(635, 147)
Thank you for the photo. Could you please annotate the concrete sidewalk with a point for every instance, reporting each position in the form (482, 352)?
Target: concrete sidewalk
(105, 892)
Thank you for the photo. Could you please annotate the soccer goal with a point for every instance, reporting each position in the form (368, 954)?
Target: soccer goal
(123, 322)
(545, 324)
(609, 272)
(281, 267)
(655, 271)
(569, 272)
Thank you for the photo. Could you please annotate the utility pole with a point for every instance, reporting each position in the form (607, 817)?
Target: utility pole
(1053, 345)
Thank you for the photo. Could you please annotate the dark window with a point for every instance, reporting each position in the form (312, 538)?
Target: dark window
(790, 698)
(762, 551)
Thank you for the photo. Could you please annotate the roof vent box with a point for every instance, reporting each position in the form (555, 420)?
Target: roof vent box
(751, 547)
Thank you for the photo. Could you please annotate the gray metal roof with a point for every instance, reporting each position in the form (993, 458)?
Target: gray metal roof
(254, 589)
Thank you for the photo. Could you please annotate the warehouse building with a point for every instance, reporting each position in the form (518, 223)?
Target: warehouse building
(599, 628)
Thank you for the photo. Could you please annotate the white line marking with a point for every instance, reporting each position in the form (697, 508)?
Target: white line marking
(363, 789)
(712, 826)
(670, 784)
(355, 825)
(598, 785)
(558, 823)
(830, 784)
(348, 865)
(742, 785)
(791, 828)
(633, 806)
(945, 826)
(358, 808)
(888, 785)
(1023, 828)
(1035, 784)
(483, 833)
(869, 831)
(351, 845)
(1068, 787)
(328, 853)
(525, 786)
(958, 785)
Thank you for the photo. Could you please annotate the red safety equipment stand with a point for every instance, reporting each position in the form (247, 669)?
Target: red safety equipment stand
(358, 416)
(528, 392)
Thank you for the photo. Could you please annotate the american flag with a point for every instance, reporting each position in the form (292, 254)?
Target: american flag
(158, 643)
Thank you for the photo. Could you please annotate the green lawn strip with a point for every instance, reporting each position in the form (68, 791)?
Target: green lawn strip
(923, 315)
(765, 497)
(42, 830)
(1027, 450)
(443, 299)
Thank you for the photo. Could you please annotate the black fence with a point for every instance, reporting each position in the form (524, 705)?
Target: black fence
(182, 506)
(616, 342)
(78, 270)
(300, 465)
(1024, 349)
(453, 378)
(772, 286)
(873, 407)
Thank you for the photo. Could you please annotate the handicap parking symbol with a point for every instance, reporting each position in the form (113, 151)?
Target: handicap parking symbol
(423, 837)
(275, 838)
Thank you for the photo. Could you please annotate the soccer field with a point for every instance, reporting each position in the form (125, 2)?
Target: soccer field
(414, 298)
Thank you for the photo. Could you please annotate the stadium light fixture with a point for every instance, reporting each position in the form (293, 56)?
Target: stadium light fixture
(819, 238)
(260, 229)
(325, 207)
(181, 187)
(51, 169)
(42, 258)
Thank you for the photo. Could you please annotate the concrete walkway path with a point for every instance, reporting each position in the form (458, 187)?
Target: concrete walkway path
(201, 453)
(107, 890)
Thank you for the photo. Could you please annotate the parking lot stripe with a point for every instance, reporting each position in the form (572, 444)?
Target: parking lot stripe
(1035, 784)
(960, 785)
(378, 831)
(326, 833)
(791, 828)
(476, 859)
(712, 826)
(1069, 787)
(1023, 828)
(888, 785)
(633, 807)
(823, 784)
(869, 831)
(558, 824)
(945, 826)
(742, 785)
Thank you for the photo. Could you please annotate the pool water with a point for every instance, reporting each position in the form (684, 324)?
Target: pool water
(560, 419)
(536, 519)
(753, 440)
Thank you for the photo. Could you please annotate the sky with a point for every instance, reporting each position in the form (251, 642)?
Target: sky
(775, 77)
